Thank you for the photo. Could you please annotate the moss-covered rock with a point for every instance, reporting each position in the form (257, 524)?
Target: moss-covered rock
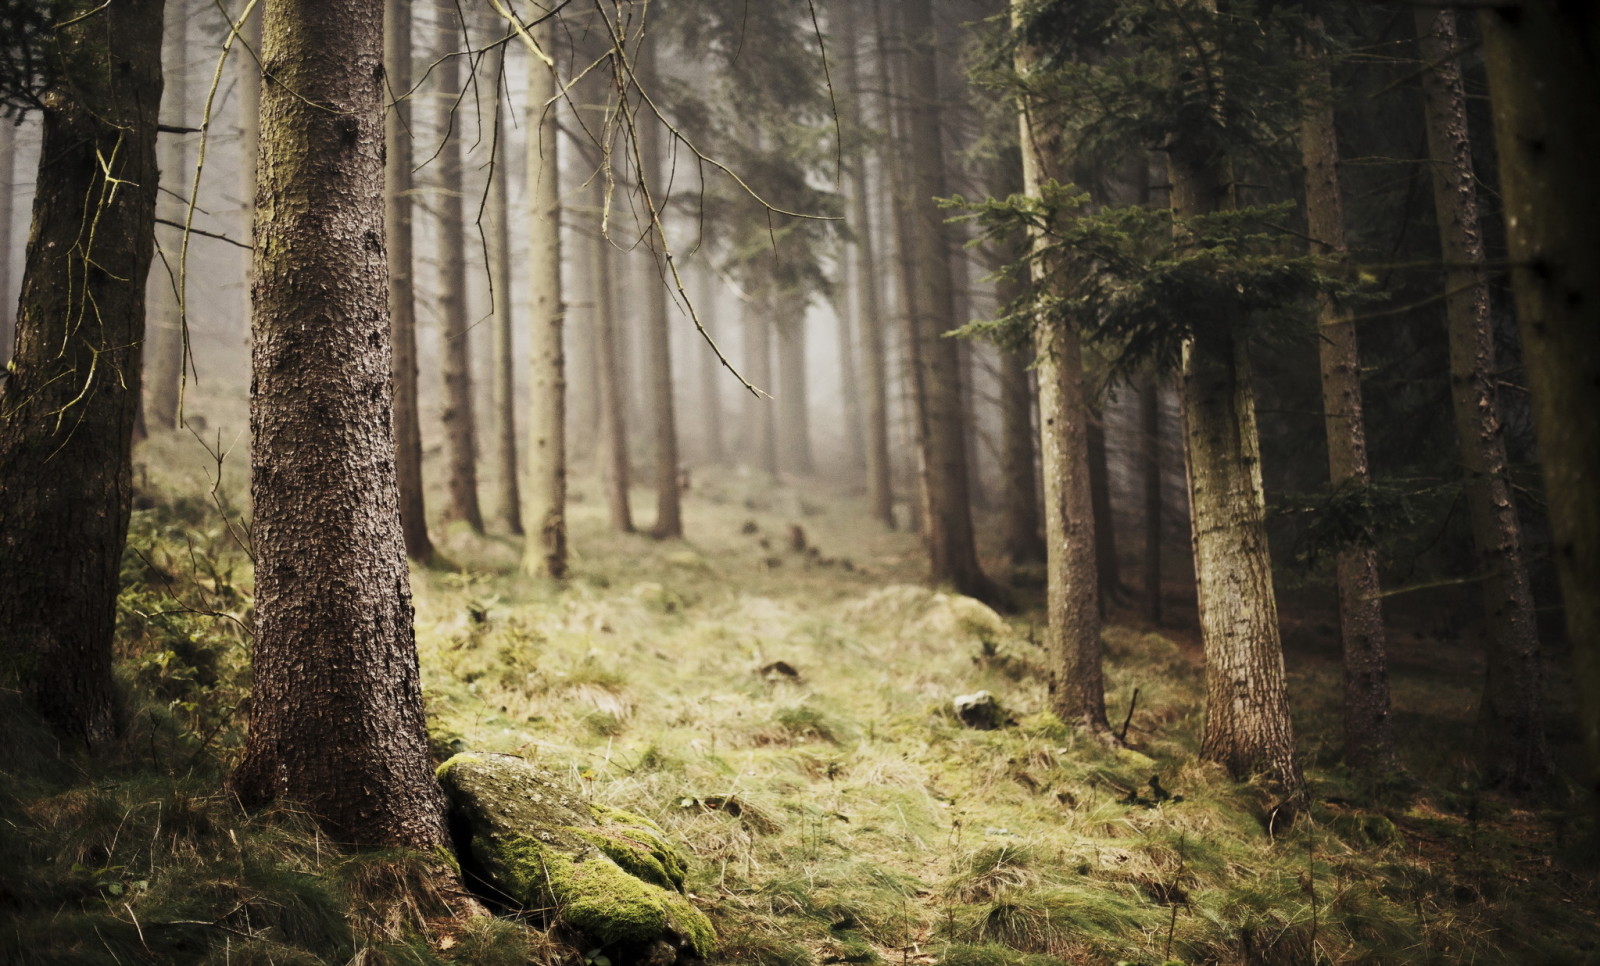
(610, 875)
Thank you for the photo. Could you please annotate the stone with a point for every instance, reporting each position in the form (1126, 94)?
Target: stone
(980, 710)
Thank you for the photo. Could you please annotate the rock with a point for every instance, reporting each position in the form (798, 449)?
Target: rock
(980, 710)
(604, 873)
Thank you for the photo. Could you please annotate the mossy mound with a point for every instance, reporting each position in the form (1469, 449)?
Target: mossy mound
(609, 875)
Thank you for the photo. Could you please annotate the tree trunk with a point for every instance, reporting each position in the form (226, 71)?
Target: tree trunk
(1510, 736)
(250, 139)
(614, 469)
(455, 333)
(794, 423)
(761, 428)
(1105, 533)
(1542, 59)
(397, 222)
(67, 408)
(710, 368)
(942, 431)
(336, 720)
(669, 498)
(504, 382)
(8, 306)
(1150, 460)
(1247, 726)
(164, 327)
(546, 550)
(1072, 637)
(1368, 735)
(1023, 543)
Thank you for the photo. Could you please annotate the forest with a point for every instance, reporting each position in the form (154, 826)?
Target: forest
(799, 482)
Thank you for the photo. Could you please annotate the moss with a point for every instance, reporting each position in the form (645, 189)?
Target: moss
(640, 852)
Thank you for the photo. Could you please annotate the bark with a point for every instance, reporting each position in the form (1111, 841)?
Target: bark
(1247, 727)
(504, 381)
(397, 222)
(868, 302)
(1105, 533)
(710, 370)
(1542, 59)
(250, 138)
(614, 469)
(761, 428)
(455, 332)
(941, 429)
(1150, 460)
(164, 326)
(794, 422)
(1510, 734)
(1072, 636)
(67, 408)
(1020, 500)
(8, 306)
(1368, 734)
(546, 550)
(336, 718)
(669, 502)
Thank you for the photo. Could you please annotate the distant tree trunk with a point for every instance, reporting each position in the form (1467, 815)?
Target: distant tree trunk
(669, 498)
(1368, 734)
(942, 431)
(614, 469)
(1544, 67)
(67, 408)
(248, 50)
(794, 422)
(8, 177)
(1247, 724)
(455, 334)
(710, 369)
(546, 550)
(1072, 637)
(761, 426)
(164, 328)
(504, 382)
(1510, 735)
(1105, 531)
(1150, 460)
(1020, 496)
(583, 387)
(397, 221)
(336, 720)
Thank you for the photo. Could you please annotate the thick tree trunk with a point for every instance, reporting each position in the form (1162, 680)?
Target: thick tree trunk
(8, 305)
(1544, 67)
(614, 468)
(397, 223)
(761, 424)
(1368, 734)
(164, 326)
(546, 550)
(942, 431)
(336, 720)
(1510, 737)
(669, 499)
(67, 408)
(1154, 505)
(794, 422)
(499, 236)
(1072, 637)
(455, 334)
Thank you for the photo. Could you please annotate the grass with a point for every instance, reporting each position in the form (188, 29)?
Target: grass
(836, 809)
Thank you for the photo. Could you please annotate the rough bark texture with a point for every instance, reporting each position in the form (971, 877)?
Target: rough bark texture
(614, 469)
(1072, 636)
(546, 550)
(1150, 461)
(1368, 734)
(397, 221)
(1544, 67)
(455, 333)
(336, 720)
(67, 409)
(1510, 735)
(669, 501)
(499, 237)
(941, 437)
(164, 325)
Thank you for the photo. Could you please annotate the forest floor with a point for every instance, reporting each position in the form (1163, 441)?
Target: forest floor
(785, 712)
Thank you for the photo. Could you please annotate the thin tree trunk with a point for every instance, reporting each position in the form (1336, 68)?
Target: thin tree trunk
(761, 428)
(1150, 460)
(67, 408)
(8, 306)
(336, 720)
(1023, 542)
(397, 221)
(250, 139)
(164, 327)
(1510, 734)
(546, 550)
(504, 382)
(1368, 734)
(710, 369)
(614, 469)
(1105, 532)
(455, 334)
(1544, 67)
(582, 337)
(669, 497)
(942, 431)
(794, 423)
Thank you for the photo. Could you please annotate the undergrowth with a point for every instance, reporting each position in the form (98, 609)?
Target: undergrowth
(785, 715)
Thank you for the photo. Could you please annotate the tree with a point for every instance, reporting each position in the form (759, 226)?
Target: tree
(336, 718)
(1544, 63)
(397, 223)
(1154, 502)
(1510, 739)
(503, 378)
(460, 425)
(164, 357)
(614, 469)
(8, 167)
(546, 550)
(1368, 734)
(67, 408)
